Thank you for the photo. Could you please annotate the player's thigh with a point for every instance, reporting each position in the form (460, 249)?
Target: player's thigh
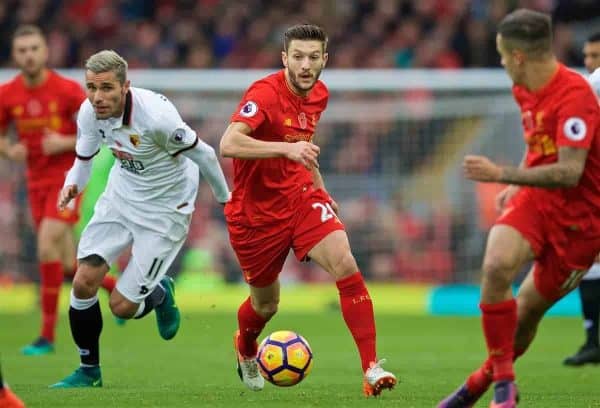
(319, 233)
(261, 251)
(50, 239)
(531, 303)
(69, 251)
(37, 205)
(151, 256)
(333, 254)
(507, 250)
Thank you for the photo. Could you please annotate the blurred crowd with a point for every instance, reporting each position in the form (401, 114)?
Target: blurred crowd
(394, 237)
(247, 34)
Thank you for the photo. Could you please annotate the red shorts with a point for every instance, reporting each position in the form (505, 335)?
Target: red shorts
(43, 203)
(262, 250)
(564, 249)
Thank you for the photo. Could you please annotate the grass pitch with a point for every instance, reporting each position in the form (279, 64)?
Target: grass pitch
(430, 355)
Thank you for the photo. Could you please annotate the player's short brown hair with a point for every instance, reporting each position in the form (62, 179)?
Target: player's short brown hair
(527, 30)
(108, 61)
(304, 32)
(27, 29)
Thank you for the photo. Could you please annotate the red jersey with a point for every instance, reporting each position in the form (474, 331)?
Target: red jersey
(53, 105)
(565, 112)
(268, 190)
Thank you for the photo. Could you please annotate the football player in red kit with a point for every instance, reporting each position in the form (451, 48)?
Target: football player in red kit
(43, 105)
(551, 206)
(279, 202)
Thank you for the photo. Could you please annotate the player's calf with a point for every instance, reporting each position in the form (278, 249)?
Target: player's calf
(377, 379)
(247, 368)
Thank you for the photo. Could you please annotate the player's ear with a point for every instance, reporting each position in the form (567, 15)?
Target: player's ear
(519, 57)
(126, 86)
(284, 58)
(325, 58)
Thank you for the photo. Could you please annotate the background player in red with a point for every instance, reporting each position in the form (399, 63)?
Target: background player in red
(42, 105)
(550, 208)
(279, 202)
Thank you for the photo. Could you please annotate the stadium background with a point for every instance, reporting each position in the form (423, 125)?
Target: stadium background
(414, 86)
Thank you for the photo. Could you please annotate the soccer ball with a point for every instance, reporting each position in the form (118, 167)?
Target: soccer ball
(284, 358)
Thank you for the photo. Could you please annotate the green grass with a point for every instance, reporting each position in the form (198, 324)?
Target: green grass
(430, 355)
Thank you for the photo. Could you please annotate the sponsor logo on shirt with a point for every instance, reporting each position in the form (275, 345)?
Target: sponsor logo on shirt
(296, 137)
(249, 109)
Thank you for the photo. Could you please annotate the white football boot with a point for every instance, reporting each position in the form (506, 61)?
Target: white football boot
(247, 368)
(377, 379)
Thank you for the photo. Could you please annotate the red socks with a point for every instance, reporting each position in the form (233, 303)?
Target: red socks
(499, 327)
(109, 282)
(357, 310)
(51, 274)
(480, 380)
(250, 325)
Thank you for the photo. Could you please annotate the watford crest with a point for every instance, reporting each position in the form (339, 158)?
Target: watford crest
(135, 140)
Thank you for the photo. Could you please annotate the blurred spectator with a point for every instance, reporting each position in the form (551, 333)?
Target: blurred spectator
(365, 34)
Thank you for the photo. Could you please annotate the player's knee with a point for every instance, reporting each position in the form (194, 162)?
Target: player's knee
(85, 285)
(93, 260)
(345, 265)
(267, 309)
(497, 270)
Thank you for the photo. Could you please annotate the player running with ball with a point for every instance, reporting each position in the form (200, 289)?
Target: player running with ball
(279, 202)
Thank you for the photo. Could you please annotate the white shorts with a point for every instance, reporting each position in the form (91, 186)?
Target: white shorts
(109, 233)
(593, 272)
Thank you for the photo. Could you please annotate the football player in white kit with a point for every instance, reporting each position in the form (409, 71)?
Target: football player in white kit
(148, 203)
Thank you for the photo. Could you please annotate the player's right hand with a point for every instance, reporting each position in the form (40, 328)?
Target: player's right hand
(17, 152)
(504, 197)
(305, 153)
(66, 195)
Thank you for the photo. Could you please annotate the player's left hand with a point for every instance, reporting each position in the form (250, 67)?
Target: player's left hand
(52, 142)
(480, 168)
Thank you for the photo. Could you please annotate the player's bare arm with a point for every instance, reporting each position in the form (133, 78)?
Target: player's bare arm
(56, 143)
(237, 143)
(564, 173)
(12, 151)
(504, 196)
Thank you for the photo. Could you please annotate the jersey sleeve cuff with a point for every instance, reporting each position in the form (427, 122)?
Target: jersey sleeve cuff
(185, 148)
(85, 158)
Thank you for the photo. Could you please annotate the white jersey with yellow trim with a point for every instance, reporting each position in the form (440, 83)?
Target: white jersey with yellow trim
(150, 175)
